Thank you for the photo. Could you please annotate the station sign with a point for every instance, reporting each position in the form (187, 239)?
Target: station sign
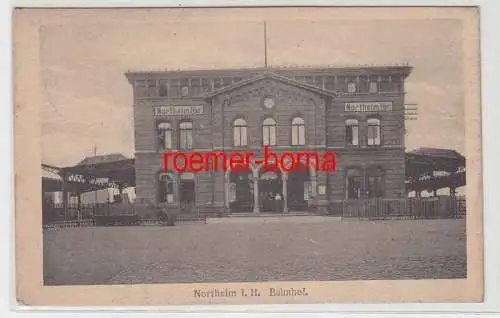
(177, 110)
(369, 107)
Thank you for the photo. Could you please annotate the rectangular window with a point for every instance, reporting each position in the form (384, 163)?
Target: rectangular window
(175, 88)
(352, 135)
(206, 85)
(196, 86)
(140, 84)
(227, 81)
(186, 136)
(373, 135)
(217, 83)
(351, 88)
(163, 88)
(184, 91)
(373, 87)
(330, 83)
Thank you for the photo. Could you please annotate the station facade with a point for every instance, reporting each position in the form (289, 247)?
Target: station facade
(355, 112)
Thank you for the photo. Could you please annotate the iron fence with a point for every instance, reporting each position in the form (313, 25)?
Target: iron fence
(405, 208)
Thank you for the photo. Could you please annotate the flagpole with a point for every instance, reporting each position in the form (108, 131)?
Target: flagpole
(95, 191)
(265, 44)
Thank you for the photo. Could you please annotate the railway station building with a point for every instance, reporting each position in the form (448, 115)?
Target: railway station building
(358, 113)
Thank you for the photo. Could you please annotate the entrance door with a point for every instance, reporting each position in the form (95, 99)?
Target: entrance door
(187, 195)
(353, 187)
(242, 200)
(270, 184)
(296, 190)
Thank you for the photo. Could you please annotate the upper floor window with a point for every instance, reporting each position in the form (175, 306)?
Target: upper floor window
(240, 132)
(186, 135)
(165, 135)
(351, 88)
(352, 132)
(141, 84)
(373, 132)
(184, 91)
(269, 132)
(298, 132)
(163, 88)
(152, 83)
(373, 87)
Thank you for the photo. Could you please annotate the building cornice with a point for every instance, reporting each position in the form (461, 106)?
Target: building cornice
(403, 69)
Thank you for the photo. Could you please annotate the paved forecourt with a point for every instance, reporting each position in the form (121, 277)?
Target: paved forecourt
(257, 249)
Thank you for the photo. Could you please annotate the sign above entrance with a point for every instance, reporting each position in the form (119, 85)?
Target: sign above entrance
(177, 110)
(369, 107)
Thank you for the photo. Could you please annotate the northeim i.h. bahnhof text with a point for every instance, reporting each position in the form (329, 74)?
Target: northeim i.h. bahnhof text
(243, 161)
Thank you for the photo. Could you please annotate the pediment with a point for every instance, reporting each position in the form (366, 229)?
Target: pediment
(283, 89)
(282, 93)
(271, 79)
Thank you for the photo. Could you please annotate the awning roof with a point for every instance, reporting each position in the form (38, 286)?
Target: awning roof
(94, 173)
(424, 161)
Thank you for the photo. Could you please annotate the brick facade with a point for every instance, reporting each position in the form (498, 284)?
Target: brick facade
(318, 97)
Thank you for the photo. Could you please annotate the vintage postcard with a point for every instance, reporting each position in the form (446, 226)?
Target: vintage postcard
(195, 156)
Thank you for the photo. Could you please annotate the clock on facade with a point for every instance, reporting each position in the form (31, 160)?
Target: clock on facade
(268, 102)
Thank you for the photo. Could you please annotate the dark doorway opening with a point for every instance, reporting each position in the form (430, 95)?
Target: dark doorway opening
(354, 184)
(270, 184)
(187, 194)
(242, 191)
(297, 189)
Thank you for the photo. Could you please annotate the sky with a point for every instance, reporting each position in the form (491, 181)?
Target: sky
(87, 101)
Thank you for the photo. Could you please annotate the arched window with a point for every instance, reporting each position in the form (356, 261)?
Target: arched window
(373, 132)
(351, 88)
(165, 135)
(352, 132)
(166, 188)
(298, 132)
(186, 135)
(269, 132)
(240, 132)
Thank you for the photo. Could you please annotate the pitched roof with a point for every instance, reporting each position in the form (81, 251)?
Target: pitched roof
(50, 175)
(270, 75)
(437, 153)
(109, 158)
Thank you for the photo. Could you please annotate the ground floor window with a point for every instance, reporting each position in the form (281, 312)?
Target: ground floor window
(367, 182)
(166, 188)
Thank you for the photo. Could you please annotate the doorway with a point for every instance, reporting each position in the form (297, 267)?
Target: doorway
(297, 189)
(187, 193)
(270, 184)
(241, 197)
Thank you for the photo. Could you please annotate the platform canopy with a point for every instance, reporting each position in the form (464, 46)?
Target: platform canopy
(96, 172)
(434, 168)
(51, 181)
